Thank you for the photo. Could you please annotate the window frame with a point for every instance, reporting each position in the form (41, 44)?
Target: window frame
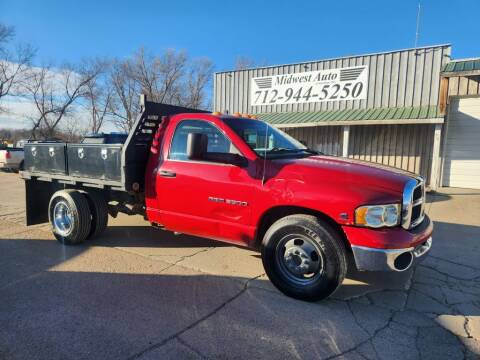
(200, 161)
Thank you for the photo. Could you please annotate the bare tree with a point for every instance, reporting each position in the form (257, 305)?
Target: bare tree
(6, 34)
(13, 135)
(14, 63)
(198, 78)
(5, 135)
(125, 102)
(159, 76)
(98, 95)
(143, 68)
(72, 130)
(169, 78)
(156, 76)
(244, 62)
(53, 92)
(171, 67)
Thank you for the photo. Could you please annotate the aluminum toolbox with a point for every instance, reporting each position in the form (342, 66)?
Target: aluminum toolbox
(45, 158)
(95, 161)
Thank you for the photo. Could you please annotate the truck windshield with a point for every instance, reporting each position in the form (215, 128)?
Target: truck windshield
(267, 140)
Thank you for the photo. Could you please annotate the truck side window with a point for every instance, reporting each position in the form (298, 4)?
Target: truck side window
(217, 142)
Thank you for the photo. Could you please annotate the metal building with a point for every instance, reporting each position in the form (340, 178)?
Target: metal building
(460, 100)
(385, 107)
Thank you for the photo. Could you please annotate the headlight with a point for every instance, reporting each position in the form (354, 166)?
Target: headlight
(377, 216)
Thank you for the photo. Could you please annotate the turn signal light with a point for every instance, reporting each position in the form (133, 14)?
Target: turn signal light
(216, 113)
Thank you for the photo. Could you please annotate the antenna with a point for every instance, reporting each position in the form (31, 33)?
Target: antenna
(417, 32)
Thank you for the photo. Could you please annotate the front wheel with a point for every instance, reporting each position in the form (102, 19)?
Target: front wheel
(304, 257)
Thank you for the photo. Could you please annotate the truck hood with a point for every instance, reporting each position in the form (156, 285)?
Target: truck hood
(345, 172)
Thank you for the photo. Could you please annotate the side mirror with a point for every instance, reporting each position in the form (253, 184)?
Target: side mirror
(197, 145)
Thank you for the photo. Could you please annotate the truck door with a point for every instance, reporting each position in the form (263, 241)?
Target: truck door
(204, 198)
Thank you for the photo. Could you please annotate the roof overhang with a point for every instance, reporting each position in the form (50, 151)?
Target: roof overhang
(460, 73)
(461, 67)
(364, 122)
(368, 116)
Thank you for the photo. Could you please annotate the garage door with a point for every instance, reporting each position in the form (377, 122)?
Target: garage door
(462, 149)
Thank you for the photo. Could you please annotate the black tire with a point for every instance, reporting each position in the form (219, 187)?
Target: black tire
(327, 256)
(99, 210)
(79, 214)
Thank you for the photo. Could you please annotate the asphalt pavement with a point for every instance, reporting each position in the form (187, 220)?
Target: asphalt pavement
(142, 293)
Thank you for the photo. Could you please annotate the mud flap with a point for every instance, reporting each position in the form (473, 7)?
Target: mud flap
(37, 196)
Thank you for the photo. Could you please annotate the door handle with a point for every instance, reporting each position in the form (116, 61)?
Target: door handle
(166, 173)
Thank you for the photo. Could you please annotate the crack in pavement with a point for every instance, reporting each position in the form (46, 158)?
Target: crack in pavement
(453, 262)
(407, 306)
(195, 323)
(349, 302)
(376, 332)
(170, 265)
(449, 275)
(188, 346)
(370, 339)
(182, 258)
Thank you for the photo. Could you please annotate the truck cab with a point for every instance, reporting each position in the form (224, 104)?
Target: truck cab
(235, 178)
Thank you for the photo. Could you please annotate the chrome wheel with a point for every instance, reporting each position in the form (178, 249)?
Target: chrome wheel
(62, 218)
(300, 259)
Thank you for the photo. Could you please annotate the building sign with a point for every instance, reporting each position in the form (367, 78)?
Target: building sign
(348, 83)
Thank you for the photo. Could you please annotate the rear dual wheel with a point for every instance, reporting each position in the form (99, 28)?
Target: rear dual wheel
(76, 216)
(304, 257)
(99, 211)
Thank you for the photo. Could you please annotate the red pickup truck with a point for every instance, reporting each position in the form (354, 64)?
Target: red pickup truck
(239, 180)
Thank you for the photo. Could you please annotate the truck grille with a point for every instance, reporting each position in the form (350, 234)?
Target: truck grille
(413, 207)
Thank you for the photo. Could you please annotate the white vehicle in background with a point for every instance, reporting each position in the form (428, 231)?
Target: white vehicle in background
(11, 158)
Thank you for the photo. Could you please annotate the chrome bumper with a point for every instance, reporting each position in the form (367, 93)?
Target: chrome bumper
(371, 259)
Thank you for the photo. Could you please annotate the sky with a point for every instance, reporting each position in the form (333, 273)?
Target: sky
(270, 32)
(275, 32)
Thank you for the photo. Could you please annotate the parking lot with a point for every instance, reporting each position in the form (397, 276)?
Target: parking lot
(139, 292)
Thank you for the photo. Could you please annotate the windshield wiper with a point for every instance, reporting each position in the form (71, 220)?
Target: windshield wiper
(278, 150)
(307, 150)
(313, 152)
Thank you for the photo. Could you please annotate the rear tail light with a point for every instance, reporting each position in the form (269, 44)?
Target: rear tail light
(8, 155)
